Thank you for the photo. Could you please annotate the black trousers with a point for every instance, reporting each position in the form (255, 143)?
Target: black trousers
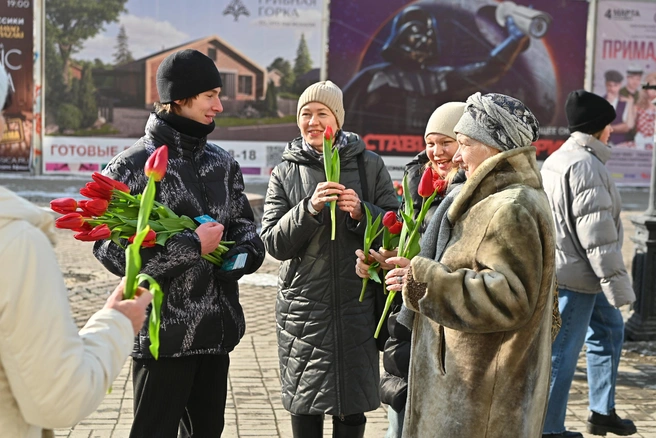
(172, 388)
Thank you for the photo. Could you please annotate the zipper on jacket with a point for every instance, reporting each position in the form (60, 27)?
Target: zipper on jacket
(206, 209)
(338, 334)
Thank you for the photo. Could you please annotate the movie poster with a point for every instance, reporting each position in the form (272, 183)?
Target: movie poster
(625, 59)
(16, 57)
(100, 87)
(398, 60)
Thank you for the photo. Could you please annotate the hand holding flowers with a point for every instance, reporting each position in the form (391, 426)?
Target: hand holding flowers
(113, 213)
(409, 239)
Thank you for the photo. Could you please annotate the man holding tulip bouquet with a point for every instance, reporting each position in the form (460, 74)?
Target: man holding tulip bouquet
(201, 318)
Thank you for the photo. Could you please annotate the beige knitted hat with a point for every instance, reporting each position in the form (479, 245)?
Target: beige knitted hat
(327, 93)
(444, 119)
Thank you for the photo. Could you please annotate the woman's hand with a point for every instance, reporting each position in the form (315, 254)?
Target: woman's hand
(349, 202)
(382, 255)
(325, 192)
(396, 277)
(361, 266)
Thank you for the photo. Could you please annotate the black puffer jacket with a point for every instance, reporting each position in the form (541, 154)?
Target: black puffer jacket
(201, 313)
(396, 357)
(329, 362)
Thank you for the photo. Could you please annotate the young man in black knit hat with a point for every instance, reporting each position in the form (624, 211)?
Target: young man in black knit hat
(202, 320)
(592, 279)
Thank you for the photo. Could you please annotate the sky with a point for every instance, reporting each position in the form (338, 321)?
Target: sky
(272, 29)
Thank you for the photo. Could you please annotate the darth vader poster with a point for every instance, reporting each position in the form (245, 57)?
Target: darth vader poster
(396, 61)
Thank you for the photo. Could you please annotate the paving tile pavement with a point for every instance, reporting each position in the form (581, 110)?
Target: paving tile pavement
(254, 408)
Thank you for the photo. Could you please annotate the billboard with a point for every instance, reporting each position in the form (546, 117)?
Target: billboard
(16, 57)
(397, 60)
(624, 59)
(101, 79)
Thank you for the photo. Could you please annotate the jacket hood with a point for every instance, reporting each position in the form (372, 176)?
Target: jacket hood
(516, 166)
(15, 208)
(294, 151)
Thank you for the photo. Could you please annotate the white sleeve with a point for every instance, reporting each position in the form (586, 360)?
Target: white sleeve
(56, 375)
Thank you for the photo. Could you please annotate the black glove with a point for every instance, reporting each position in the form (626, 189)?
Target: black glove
(229, 270)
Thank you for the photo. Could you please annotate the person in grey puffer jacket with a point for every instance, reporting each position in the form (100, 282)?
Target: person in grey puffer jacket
(592, 279)
(202, 320)
(329, 362)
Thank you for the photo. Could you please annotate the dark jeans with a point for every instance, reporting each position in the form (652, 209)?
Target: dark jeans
(170, 389)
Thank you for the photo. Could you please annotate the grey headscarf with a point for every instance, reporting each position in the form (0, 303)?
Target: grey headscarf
(498, 121)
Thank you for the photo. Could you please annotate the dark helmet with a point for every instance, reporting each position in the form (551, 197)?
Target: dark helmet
(413, 37)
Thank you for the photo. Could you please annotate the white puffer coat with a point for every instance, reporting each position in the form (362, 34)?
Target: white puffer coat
(50, 375)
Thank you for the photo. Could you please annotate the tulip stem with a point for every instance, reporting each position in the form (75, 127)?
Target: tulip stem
(364, 288)
(383, 318)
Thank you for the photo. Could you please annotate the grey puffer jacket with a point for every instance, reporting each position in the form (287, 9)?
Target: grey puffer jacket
(586, 207)
(328, 357)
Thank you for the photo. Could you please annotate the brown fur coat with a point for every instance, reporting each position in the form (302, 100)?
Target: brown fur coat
(481, 345)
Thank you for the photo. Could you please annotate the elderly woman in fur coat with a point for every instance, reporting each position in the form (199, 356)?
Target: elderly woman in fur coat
(482, 288)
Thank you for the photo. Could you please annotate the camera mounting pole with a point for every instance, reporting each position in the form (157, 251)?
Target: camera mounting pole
(641, 326)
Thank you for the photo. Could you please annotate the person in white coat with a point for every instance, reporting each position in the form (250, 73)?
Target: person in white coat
(51, 375)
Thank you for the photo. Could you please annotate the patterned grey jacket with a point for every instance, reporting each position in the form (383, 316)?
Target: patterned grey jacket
(201, 313)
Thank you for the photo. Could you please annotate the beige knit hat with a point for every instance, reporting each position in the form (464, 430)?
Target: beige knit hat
(444, 119)
(327, 93)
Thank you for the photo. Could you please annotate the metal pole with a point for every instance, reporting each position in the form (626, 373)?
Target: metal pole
(641, 326)
(325, 24)
(651, 211)
(36, 167)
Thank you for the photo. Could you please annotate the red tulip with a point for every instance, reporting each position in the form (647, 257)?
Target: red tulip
(440, 185)
(63, 205)
(99, 232)
(156, 163)
(95, 190)
(70, 221)
(328, 133)
(389, 219)
(149, 241)
(94, 207)
(396, 228)
(426, 188)
(106, 181)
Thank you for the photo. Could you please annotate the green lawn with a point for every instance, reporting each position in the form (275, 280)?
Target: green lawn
(106, 129)
(236, 121)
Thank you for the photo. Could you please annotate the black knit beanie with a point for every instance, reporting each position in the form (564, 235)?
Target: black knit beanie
(587, 112)
(185, 74)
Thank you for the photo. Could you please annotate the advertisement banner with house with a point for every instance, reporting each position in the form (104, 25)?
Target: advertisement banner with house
(398, 60)
(624, 59)
(102, 81)
(16, 57)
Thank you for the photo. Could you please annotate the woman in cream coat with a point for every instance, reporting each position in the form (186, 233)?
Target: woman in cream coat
(50, 375)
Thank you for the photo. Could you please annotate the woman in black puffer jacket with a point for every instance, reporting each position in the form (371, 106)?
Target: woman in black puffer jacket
(329, 362)
(440, 148)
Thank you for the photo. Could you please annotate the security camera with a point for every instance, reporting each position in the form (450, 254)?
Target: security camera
(531, 21)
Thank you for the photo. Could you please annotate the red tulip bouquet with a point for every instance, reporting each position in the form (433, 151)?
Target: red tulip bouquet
(113, 213)
(332, 167)
(391, 229)
(409, 238)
